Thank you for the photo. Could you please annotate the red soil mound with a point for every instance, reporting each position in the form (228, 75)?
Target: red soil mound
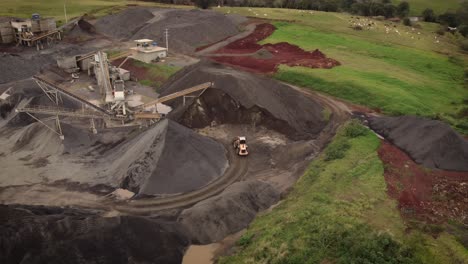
(279, 53)
(430, 195)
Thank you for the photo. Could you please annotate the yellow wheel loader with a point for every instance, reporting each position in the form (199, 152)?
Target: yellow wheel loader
(240, 146)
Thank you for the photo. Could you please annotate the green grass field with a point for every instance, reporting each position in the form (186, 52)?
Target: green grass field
(439, 6)
(323, 220)
(404, 71)
(158, 73)
(75, 8)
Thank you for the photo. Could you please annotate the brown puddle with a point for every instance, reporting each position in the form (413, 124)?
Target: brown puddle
(200, 254)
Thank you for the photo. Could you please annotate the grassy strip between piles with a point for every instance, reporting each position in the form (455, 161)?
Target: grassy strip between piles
(339, 212)
(157, 73)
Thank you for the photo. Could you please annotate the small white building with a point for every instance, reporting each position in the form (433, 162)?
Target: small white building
(147, 51)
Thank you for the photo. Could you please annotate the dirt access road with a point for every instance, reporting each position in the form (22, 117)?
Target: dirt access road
(249, 29)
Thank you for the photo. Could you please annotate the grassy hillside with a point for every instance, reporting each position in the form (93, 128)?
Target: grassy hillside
(439, 6)
(392, 68)
(325, 220)
(54, 8)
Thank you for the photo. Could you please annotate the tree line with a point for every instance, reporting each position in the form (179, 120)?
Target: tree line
(359, 7)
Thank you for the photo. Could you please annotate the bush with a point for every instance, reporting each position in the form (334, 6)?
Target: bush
(407, 22)
(245, 240)
(336, 150)
(355, 129)
(204, 4)
(441, 31)
(463, 29)
(464, 45)
(450, 19)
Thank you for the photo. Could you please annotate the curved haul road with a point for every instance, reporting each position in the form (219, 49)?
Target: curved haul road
(236, 170)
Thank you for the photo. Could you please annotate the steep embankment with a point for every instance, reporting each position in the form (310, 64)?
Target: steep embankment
(429, 142)
(244, 98)
(55, 235)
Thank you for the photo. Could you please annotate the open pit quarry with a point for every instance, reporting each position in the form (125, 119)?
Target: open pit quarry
(144, 192)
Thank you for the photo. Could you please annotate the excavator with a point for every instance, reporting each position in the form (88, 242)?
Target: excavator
(240, 146)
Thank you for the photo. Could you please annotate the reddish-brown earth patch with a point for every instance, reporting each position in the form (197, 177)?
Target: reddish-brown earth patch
(138, 72)
(248, 54)
(249, 43)
(430, 195)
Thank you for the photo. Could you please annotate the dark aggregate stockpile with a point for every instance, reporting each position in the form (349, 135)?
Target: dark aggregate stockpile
(431, 143)
(125, 24)
(244, 198)
(176, 160)
(244, 98)
(188, 29)
(15, 67)
(31, 234)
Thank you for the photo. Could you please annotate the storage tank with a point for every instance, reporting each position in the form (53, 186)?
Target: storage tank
(6, 33)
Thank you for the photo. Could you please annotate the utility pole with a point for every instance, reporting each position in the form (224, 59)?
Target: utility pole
(166, 32)
(65, 11)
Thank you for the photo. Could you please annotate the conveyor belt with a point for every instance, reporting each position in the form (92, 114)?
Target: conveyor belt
(57, 86)
(48, 110)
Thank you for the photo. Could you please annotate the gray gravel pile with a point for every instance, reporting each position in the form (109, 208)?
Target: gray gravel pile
(125, 24)
(241, 97)
(33, 234)
(213, 219)
(164, 159)
(169, 158)
(431, 143)
(188, 29)
(15, 67)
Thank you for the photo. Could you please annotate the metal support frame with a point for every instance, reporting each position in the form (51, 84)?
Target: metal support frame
(189, 96)
(56, 97)
(93, 126)
(58, 129)
(50, 92)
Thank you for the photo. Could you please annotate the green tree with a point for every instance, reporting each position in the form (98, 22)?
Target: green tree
(389, 10)
(403, 9)
(428, 15)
